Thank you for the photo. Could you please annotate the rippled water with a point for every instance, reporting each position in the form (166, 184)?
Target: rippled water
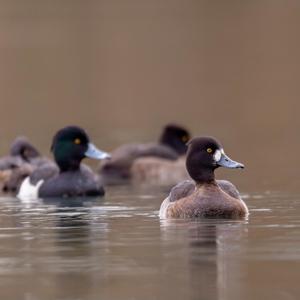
(117, 248)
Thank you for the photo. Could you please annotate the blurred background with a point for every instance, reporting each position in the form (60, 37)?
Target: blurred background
(122, 69)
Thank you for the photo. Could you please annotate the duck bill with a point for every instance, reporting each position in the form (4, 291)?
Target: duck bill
(95, 153)
(227, 162)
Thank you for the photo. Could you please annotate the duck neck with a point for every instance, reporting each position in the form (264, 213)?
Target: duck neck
(206, 184)
(204, 177)
(68, 165)
(166, 140)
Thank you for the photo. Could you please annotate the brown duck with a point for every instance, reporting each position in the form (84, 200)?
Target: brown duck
(205, 197)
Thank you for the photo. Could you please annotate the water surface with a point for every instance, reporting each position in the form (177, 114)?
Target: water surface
(117, 248)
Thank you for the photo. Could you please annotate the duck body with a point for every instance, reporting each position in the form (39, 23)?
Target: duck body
(159, 171)
(138, 162)
(10, 162)
(72, 184)
(215, 200)
(67, 177)
(121, 167)
(18, 174)
(21, 161)
(205, 197)
(21, 151)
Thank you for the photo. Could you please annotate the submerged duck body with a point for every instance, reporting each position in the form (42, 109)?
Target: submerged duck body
(205, 196)
(68, 178)
(143, 162)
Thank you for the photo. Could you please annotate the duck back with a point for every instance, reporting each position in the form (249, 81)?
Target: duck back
(72, 184)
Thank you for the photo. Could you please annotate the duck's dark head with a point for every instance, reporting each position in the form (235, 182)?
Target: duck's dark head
(175, 137)
(22, 147)
(204, 155)
(70, 145)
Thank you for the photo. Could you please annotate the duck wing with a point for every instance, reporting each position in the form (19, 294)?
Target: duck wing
(185, 188)
(229, 188)
(181, 190)
(118, 167)
(156, 150)
(44, 172)
(126, 154)
(156, 170)
(133, 151)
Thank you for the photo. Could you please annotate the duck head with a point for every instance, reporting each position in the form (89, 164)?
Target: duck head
(72, 144)
(175, 137)
(204, 155)
(22, 147)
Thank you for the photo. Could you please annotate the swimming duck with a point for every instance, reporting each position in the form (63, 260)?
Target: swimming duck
(21, 150)
(68, 178)
(205, 196)
(143, 161)
(18, 164)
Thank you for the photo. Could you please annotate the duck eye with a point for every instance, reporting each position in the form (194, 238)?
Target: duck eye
(77, 141)
(185, 138)
(209, 150)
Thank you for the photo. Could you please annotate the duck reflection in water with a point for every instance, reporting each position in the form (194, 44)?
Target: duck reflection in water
(72, 225)
(77, 260)
(203, 247)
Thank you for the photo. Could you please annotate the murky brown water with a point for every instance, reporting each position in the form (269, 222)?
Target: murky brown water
(122, 69)
(117, 248)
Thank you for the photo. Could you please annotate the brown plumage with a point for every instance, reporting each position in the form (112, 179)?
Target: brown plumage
(205, 197)
(207, 201)
(155, 170)
(21, 161)
(148, 162)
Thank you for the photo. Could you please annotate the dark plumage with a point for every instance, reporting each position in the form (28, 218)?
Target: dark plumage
(21, 151)
(175, 137)
(205, 197)
(145, 161)
(20, 162)
(23, 148)
(72, 183)
(66, 178)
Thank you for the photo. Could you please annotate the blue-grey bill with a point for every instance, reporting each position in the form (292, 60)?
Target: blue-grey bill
(227, 162)
(94, 152)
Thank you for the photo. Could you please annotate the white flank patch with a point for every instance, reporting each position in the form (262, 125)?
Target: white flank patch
(28, 191)
(163, 208)
(218, 155)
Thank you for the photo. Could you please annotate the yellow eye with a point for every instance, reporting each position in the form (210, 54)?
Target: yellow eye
(185, 138)
(77, 141)
(209, 150)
